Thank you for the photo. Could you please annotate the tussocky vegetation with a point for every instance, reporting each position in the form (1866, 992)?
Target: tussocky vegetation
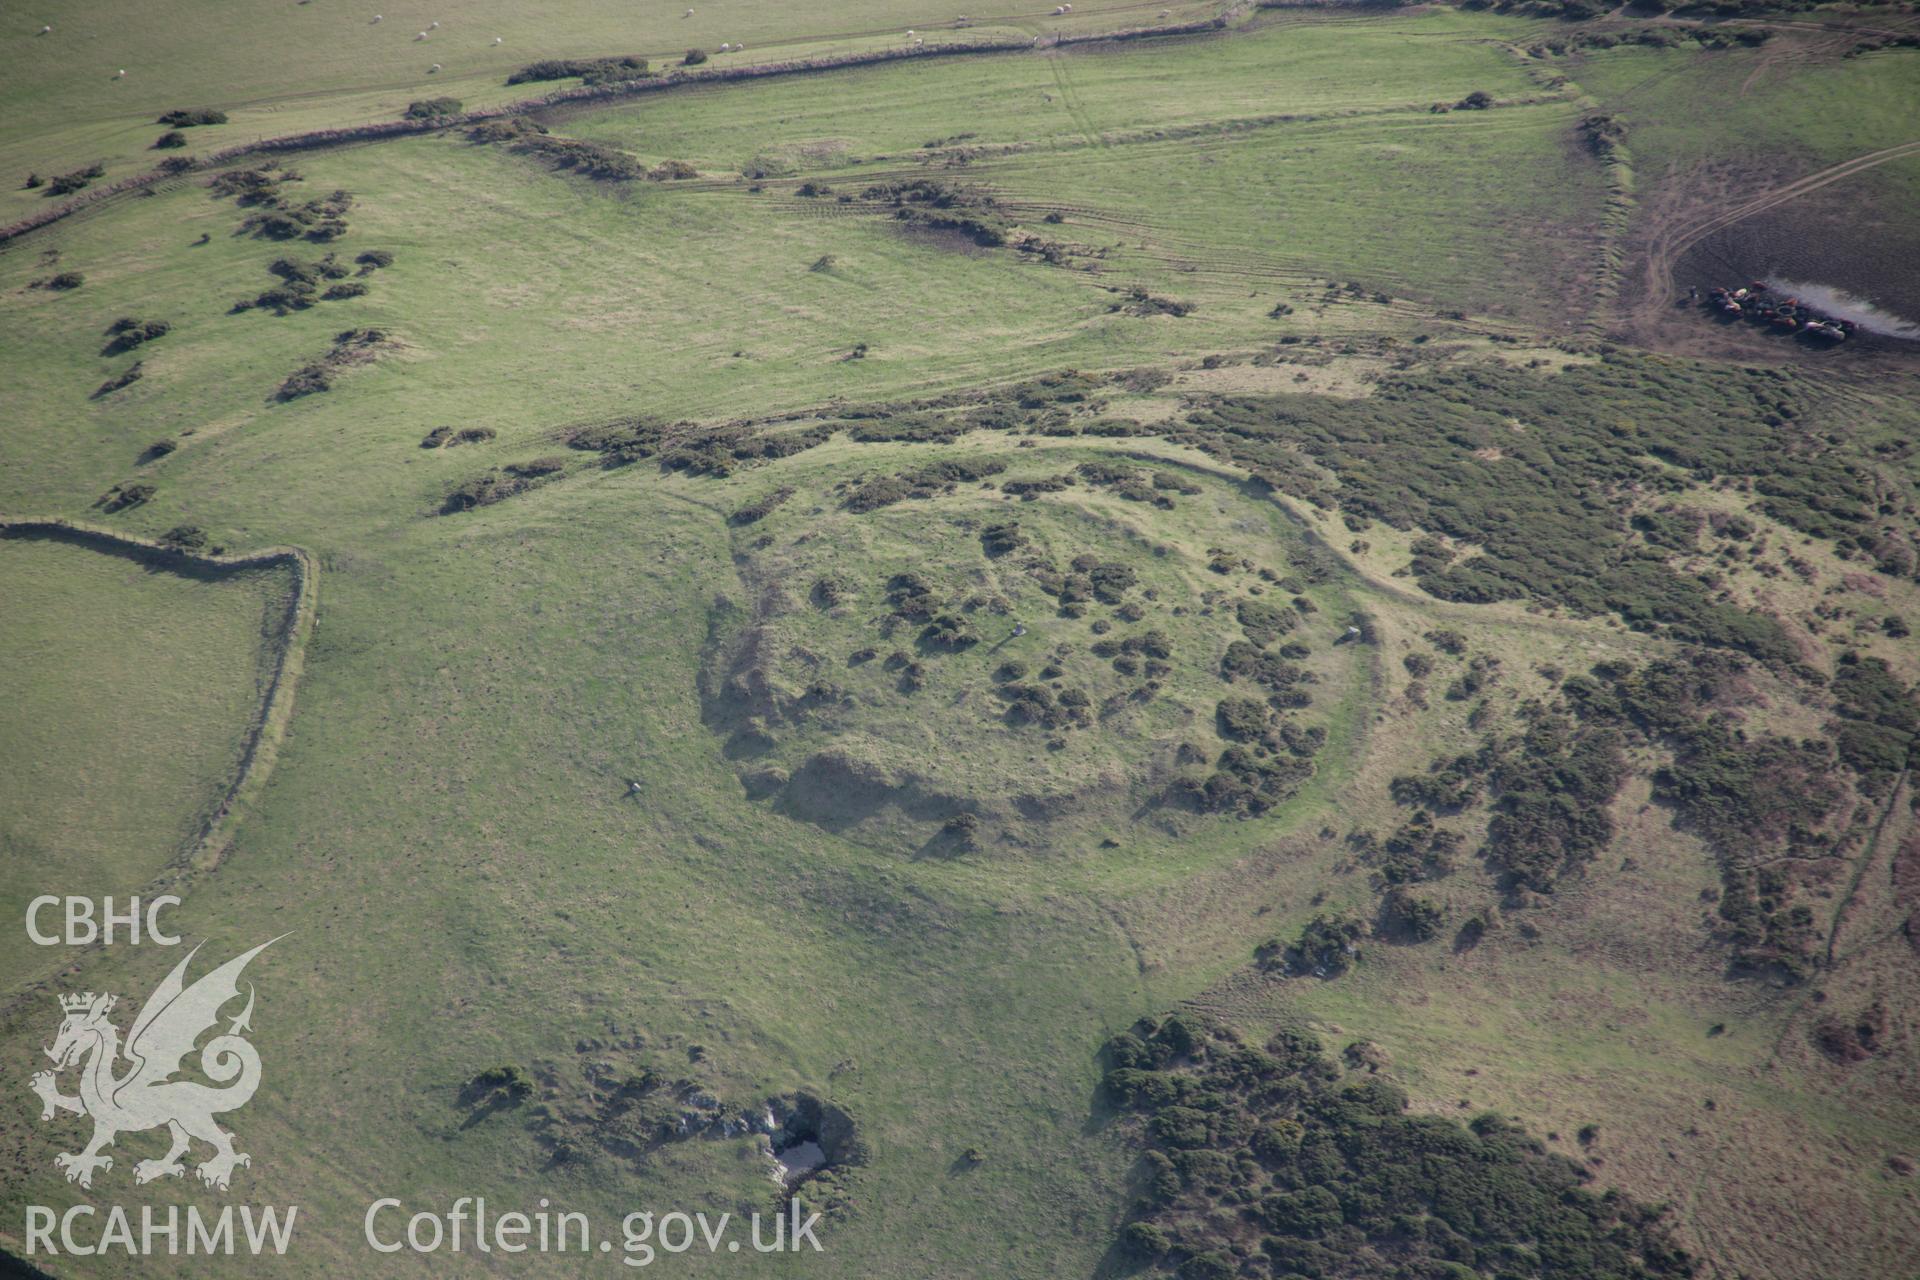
(861, 554)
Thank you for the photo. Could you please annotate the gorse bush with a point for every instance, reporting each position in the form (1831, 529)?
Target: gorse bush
(126, 333)
(276, 217)
(350, 347)
(1411, 917)
(761, 508)
(1269, 1161)
(300, 286)
(590, 70)
(590, 159)
(507, 1083)
(188, 119)
(1327, 947)
(907, 428)
(124, 497)
(699, 450)
(498, 485)
(1418, 850)
(186, 537)
(433, 108)
(133, 374)
(1622, 425)
(1002, 539)
(75, 180)
(937, 206)
(949, 631)
(920, 483)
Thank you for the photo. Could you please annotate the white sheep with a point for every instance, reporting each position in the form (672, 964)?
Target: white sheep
(498, 40)
(724, 47)
(435, 67)
(419, 36)
(45, 30)
(378, 18)
(687, 14)
(121, 74)
(433, 26)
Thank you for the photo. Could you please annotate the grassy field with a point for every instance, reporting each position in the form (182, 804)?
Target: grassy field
(312, 66)
(108, 790)
(634, 304)
(594, 780)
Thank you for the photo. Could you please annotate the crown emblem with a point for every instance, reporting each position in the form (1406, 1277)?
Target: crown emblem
(77, 1004)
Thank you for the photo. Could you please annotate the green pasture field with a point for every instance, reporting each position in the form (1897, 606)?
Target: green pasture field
(129, 691)
(288, 69)
(1789, 107)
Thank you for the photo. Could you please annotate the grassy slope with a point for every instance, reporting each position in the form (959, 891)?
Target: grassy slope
(498, 894)
(1074, 97)
(446, 829)
(105, 789)
(291, 68)
(949, 733)
(639, 300)
(1753, 99)
(1247, 186)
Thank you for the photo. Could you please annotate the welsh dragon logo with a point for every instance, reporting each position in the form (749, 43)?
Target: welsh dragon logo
(144, 1094)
